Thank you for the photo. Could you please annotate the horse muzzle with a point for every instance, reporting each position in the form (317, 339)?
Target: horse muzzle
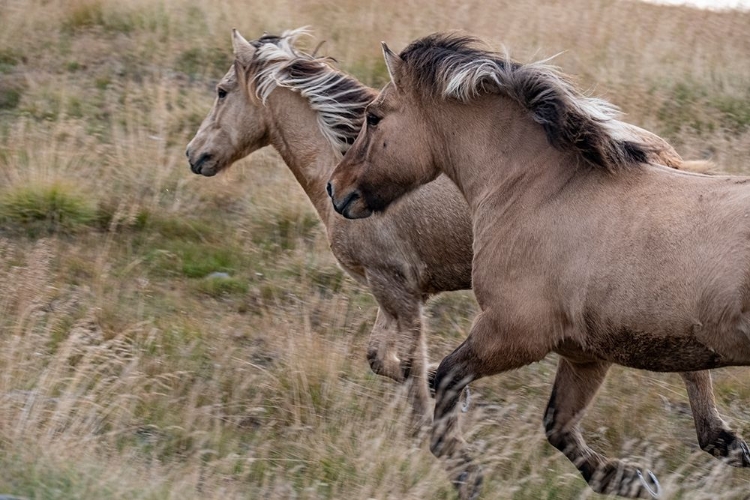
(202, 166)
(351, 206)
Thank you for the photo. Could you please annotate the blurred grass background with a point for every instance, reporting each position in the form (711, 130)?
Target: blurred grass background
(129, 370)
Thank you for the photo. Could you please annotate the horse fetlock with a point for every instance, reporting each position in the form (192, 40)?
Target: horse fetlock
(419, 399)
(618, 478)
(386, 366)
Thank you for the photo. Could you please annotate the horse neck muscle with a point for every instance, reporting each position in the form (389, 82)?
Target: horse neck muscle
(296, 135)
(494, 149)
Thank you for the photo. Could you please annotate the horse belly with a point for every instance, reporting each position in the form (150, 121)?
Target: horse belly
(659, 353)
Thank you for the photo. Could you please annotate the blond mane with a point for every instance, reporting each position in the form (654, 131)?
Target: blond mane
(338, 99)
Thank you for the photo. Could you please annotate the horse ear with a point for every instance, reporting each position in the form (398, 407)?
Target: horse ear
(243, 50)
(393, 63)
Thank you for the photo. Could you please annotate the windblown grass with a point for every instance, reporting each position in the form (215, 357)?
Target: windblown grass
(169, 336)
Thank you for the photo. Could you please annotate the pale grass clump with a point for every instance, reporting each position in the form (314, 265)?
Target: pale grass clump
(125, 372)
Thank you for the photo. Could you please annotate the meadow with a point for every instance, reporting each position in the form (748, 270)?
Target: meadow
(130, 369)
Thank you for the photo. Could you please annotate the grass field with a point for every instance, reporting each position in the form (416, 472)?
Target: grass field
(128, 371)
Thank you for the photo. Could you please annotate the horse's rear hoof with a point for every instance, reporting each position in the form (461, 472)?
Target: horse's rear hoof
(469, 482)
(617, 478)
(739, 454)
(730, 448)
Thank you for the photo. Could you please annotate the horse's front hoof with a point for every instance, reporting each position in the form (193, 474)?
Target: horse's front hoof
(468, 482)
(617, 478)
(431, 373)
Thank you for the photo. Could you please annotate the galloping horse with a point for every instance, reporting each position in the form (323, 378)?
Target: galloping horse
(311, 113)
(582, 246)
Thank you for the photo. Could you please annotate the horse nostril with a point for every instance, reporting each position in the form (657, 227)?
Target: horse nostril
(187, 153)
(329, 189)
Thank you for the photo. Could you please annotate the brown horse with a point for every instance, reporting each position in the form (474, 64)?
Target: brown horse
(581, 246)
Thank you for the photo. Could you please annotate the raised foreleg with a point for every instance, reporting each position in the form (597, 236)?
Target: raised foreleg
(489, 349)
(714, 436)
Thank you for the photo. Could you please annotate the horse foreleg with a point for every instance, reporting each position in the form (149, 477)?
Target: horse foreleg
(574, 388)
(382, 349)
(411, 337)
(397, 347)
(486, 351)
(714, 435)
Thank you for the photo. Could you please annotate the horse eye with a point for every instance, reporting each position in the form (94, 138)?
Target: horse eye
(372, 120)
(221, 93)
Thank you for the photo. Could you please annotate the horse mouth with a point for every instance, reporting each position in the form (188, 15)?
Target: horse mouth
(353, 207)
(200, 167)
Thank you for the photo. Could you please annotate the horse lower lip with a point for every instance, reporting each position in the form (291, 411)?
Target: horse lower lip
(197, 167)
(346, 203)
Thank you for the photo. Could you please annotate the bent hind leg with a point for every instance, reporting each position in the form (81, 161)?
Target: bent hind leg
(574, 388)
(714, 436)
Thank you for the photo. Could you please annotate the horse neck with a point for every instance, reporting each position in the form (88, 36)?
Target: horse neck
(296, 135)
(493, 148)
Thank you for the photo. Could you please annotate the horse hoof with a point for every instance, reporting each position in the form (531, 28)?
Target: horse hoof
(653, 489)
(730, 448)
(467, 400)
(469, 482)
(431, 374)
(625, 480)
(740, 456)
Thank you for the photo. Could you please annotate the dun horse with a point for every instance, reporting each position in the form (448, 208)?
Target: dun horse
(311, 113)
(581, 246)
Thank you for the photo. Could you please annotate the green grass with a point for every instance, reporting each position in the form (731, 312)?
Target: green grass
(47, 209)
(220, 286)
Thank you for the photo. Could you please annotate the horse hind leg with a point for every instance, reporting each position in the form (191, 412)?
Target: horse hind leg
(575, 386)
(714, 436)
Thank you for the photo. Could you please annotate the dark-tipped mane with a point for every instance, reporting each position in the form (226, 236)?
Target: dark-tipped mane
(457, 66)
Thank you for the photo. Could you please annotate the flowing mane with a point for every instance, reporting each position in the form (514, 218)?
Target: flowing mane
(455, 66)
(338, 99)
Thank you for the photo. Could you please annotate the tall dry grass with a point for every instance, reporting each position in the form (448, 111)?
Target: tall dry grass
(128, 371)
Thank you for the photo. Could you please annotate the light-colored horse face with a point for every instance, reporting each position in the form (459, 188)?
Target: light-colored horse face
(236, 124)
(393, 154)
